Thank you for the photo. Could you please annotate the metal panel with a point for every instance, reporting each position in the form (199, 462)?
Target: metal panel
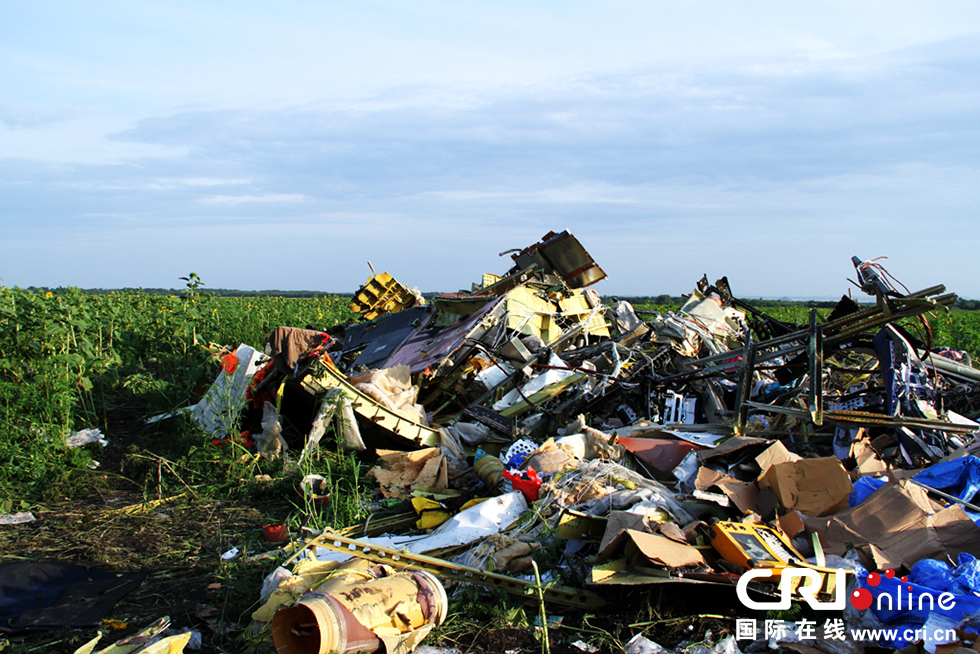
(381, 337)
(325, 376)
(429, 348)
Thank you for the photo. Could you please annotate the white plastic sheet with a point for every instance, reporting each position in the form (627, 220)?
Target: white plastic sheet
(223, 401)
(86, 436)
(480, 521)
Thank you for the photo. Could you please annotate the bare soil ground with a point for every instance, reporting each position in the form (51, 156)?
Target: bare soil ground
(179, 542)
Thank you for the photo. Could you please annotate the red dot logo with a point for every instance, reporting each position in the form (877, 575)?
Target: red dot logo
(889, 573)
(874, 579)
(861, 599)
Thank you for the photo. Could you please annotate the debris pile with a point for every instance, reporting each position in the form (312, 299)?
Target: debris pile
(715, 445)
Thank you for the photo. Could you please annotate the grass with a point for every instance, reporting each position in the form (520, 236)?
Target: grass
(178, 540)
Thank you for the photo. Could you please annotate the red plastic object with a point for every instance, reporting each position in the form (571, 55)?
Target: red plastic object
(526, 481)
(259, 399)
(244, 439)
(230, 363)
(275, 533)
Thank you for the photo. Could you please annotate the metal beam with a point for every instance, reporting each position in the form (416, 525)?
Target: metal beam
(563, 595)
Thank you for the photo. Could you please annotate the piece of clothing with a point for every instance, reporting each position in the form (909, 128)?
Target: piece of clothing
(289, 344)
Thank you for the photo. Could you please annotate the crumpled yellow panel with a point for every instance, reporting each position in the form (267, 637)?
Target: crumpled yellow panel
(306, 575)
(89, 647)
(169, 645)
(135, 644)
(431, 513)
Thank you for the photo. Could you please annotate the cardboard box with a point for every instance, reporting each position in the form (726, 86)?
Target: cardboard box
(814, 487)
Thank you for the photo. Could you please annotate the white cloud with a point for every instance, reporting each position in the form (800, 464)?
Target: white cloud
(17, 116)
(265, 197)
(770, 166)
(202, 181)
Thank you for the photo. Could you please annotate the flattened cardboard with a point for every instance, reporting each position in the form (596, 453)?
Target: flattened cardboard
(956, 454)
(743, 494)
(868, 462)
(673, 532)
(619, 521)
(956, 531)
(731, 445)
(662, 454)
(891, 508)
(814, 487)
(402, 471)
(707, 478)
(897, 524)
(659, 550)
(791, 524)
(944, 534)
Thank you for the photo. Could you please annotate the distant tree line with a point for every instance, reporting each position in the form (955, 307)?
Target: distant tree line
(678, 300)
(218, 292)
(663, 300)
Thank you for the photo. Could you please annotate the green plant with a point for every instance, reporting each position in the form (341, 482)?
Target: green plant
(194, 282)
(543, 614)
(596, 635)
(11, 506)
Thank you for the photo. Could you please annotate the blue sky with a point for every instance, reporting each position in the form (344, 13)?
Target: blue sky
(283, 147)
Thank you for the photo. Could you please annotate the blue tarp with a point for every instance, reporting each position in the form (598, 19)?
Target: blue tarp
(959, 477)
(930, 578)
(863, 488)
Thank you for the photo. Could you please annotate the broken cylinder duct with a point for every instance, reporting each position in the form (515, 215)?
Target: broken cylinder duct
(352, 614)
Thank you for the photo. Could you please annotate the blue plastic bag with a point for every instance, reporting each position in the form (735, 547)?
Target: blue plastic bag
(961, 580)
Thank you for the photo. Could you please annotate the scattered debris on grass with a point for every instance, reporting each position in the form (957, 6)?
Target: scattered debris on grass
(525, 437)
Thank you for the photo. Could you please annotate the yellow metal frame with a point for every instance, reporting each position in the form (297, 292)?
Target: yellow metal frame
(326, 376)
(380, 295)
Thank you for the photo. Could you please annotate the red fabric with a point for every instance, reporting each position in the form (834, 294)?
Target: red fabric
(259, 399)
